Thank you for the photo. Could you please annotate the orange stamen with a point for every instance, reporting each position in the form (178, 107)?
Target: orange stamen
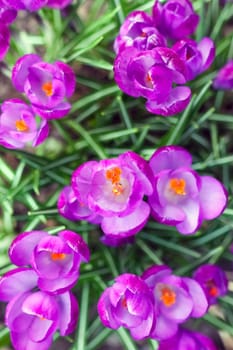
(58, 256)
(21, 125)
(114, 175)
(168, 296)
(48, 88)
(178, 186)
(143, 34)
(212, 288)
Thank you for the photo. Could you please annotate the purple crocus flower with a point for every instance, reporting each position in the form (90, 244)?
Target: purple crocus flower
(46, 85)
(182, 197)
(224, 78)
(56, 259)
(186, 339)
(138, 30)
(213, 281)
(18, 125)
(114, 189)
(176, 300)
(175, 19)
(197, 56)
(152, 74)
(128, 303)
(34, 316)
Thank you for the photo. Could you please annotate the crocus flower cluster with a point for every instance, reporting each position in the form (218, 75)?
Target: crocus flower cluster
(38, 290)
(224, 78)
(46, 86)
(111, 193)
(145, 66)
(152, 305)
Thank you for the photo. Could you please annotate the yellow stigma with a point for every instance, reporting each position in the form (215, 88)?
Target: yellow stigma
(21, 125)
(48, 88)
(58, 256)
(168, 296)
(178, 186)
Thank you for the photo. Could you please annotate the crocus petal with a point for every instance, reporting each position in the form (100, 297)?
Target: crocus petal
(76, 243)
(105, 311)
(207, 50)
(57, 112)
(170, 157)
(212, 191)
(153, 274)
(20, 70)
(177, 101)
(42, 133)
(200, 303)
(121, 76)
(129, 224)
(41, 305)
(21, 248)
(16, 282)
(69, 77)
(192, 221)
(81, 180)
(22, 341)
(69, 310)
(162, 331)
(58, 285)
(143, 330)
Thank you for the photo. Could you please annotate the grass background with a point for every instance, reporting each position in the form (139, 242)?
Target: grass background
(104, 123)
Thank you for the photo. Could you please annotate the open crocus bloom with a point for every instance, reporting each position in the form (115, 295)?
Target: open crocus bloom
(186, 339)
(152, 74)
(56, 259)
(181, 197)
(224, 78)
(114, 189)
(128, 303)
(138, 30)
(176, 299)
(46, 85)
(197, 56)
(213, 281)
(18, 125)
(175, 19)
